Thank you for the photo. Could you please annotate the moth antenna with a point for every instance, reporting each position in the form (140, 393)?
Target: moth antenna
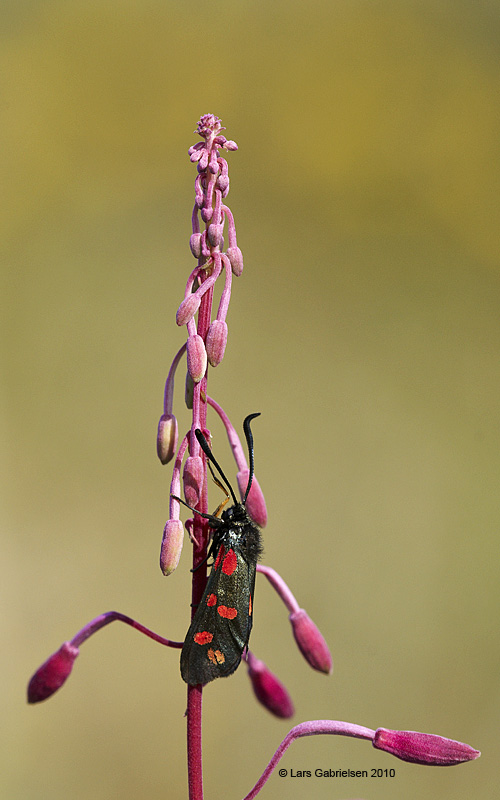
(213, 519)
(206, 449)
(249, 438)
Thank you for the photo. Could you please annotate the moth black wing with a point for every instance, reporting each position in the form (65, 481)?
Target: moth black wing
(221, 626)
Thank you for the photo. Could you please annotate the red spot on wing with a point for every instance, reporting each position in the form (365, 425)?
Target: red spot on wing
(203, 637)
(220, 555)
(230, 563)
(227, 612)
(211, 599)
(250, 606)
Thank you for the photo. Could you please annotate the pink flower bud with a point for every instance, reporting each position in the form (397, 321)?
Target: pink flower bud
(268, 689)
(216, 342)
(187, 309)
(214, 234)
(195, 148)
(195, 244)
(166, 438)
(206, 213)
(310, 642)
(223, 184)
(52, 674)
(193, 477)
(196, 357)
(203, 161)
(235, 256)
(230, 145)
(255, 505)
(213, 165)
(171, 546)
(196, 151)
(423, 748)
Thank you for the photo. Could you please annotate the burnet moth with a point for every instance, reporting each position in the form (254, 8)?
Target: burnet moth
(220, 628)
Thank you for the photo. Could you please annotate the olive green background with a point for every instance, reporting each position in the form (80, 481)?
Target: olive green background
(365, 328)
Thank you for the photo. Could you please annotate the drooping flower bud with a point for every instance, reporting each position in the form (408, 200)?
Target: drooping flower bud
(423, 748)
(187, 309)
(216, 342)
(195, 152)
(171, 546)
(195, 244)
(193, 477)
(235, 256)
(196, 357)
(255, 504)
(52, 674)
(310, 642)
(214, 233)
(166, 438)
(223, 184)
(268, 689)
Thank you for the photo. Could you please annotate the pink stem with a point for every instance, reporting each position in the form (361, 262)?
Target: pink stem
(175, 483)
(234, 441)
(312, 728)
(169, 383)
(114, 616)
(281, 587)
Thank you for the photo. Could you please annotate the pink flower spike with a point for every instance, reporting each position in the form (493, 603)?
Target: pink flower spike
(166, 438)
(423, 748)
(310, 642)
(255, 504)
(268, 689)
(216, 342)
(209, 126)
(196, 357)
(52, 674)
(193, 477)
(171, 546)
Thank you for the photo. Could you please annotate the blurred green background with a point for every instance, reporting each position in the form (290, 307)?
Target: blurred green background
(365, 328)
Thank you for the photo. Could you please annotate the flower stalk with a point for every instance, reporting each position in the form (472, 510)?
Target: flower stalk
(205, 346)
